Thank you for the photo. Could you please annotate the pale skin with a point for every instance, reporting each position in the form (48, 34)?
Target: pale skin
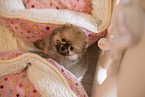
(124, 32)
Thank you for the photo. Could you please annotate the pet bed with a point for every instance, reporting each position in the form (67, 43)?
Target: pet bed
(31, 20)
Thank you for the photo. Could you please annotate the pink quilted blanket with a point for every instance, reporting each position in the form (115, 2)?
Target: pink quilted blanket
(19, 85)
(29, 31)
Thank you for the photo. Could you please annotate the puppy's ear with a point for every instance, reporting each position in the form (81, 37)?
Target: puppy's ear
(40, 44)
(68, 25)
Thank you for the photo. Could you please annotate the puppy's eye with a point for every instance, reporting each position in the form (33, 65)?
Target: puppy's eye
(71, 48)
(63, 40)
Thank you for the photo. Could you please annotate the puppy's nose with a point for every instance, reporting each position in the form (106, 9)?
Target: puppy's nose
(64, 47)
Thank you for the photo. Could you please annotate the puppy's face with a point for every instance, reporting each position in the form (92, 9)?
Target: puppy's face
(69, 41)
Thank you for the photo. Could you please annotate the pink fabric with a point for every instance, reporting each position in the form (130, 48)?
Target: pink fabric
(7, 55)
(75, 5)
(30, 32)
(71, 79)
(18, 85)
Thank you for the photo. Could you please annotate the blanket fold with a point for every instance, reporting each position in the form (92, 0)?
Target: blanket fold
(46, 76)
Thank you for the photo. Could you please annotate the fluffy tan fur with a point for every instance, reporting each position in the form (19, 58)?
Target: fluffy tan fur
(67, 46)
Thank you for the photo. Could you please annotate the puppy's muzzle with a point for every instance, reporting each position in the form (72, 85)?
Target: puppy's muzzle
(63, 49)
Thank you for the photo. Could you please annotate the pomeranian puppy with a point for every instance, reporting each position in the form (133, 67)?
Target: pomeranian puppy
(67, 46)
